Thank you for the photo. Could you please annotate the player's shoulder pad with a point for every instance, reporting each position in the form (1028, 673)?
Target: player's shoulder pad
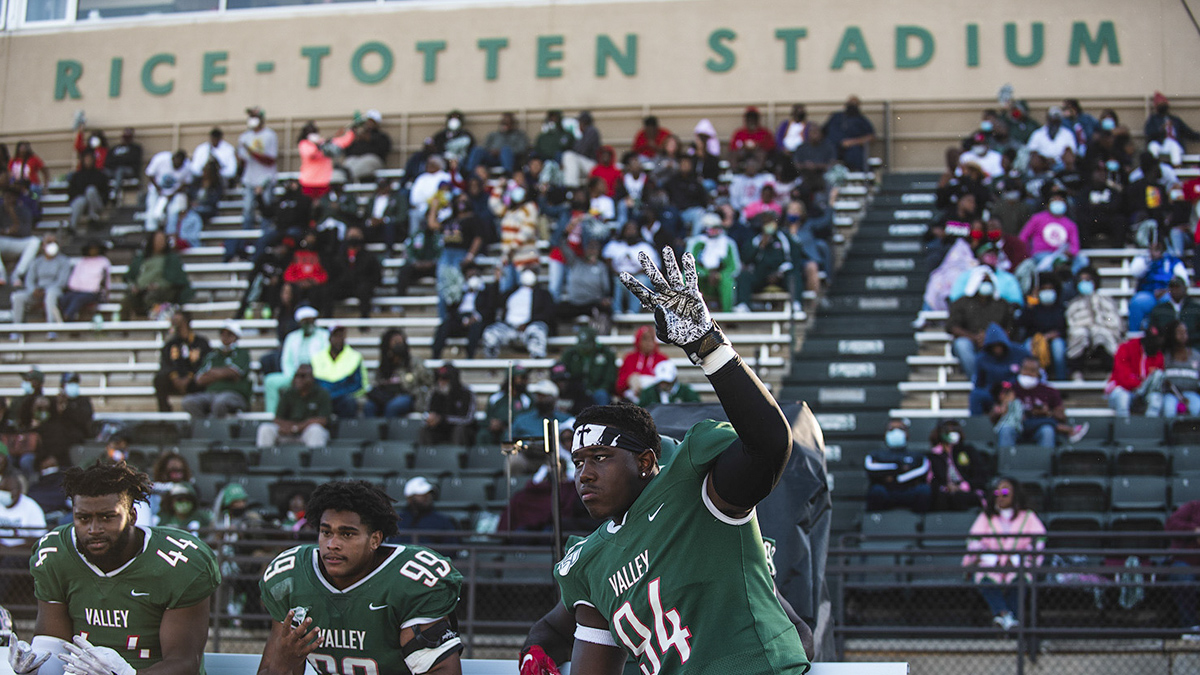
(704, 442)
(50, 547)
(284, 566)
(577, 550)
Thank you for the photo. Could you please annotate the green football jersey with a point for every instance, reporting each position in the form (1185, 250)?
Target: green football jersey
(685, 588)
(123, 609)
(361, 624)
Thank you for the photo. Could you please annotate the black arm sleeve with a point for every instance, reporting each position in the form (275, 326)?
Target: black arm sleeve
(751, 466)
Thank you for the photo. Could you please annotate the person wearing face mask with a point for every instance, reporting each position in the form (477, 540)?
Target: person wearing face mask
(87, 191)
(1031, 411)
(1054, 138)
(545, 407)
(997, 362)
(971, 315)
(71, 417)
(958, 473)
(1177, 305)
(793, 131)
(525, 316)
(31, 387)
(1166, 132)
(45, 283)
(1043, 325)
(257, 150)
(302, 416)
(401, 381)
(591, 369)
(1135, 362)
(475, 309)
(1007, 535)
(19, 515)
(988, 160)
(717, 263)
(369, 151)
(454, 140)
(297, 349)
(341, 370)
(180, 509)
(621, 254)
(223, 378)
(451, 414)
(589, 292)
(356, 272)
(47, 489)
(851, 132)
(899, 477)
(1006, 283)
(766, 261)
(316, 167)
(1153, 272)
(1051, 232)
(95, 143)
(1094, 326)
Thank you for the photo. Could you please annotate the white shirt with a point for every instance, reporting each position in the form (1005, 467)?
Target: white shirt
(379, 207)
(603, 207)
(794, 136)
(989, 162)
(624, 257)
(745, 190)
(263, 142)
(519, 308)
(169, 179)
(1052, 148)
(25, 515)
(424, 188)
(634, 185)
(224, 153)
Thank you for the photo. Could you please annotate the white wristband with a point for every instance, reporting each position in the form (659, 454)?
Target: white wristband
(597, 636)
(717, 358)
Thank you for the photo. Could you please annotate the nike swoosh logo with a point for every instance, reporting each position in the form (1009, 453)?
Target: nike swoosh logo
(652, 515)
(138, 595)
(373, 607)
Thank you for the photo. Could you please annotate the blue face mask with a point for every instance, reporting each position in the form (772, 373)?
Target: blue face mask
(1086, 287)
(896, 438)
(1108, 124)
(1047, 296)
(72, 389)
(985, 126)
(1058, 207)
(1112, 165)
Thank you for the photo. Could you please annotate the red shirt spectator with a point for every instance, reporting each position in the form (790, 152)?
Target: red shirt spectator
(638, 363)
(27, 166)
(752, 137)
(98, 147)
(606, 169)
(1132, 365)
(650, 138)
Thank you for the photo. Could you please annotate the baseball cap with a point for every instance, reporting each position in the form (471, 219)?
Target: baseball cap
(35, 374)
(374, 115)
(665, 371)
(232, 327)
(232, 493)
(417, 486)
(545, 387)
(306, 312)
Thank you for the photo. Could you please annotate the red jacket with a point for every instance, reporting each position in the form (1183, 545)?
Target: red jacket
(306, 266)
(1186, 519)
(1131, 366)
(637, 362)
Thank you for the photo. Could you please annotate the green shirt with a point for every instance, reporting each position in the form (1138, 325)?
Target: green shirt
(361, 624)
(239, 360)
(684, 587)
(295, 407)
(123, 609)
(682, 393)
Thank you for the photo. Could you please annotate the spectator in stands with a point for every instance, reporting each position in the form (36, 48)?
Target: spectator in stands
(1185, 519)
(26, 166)
(525, 316)
(257, 150)
(503, 147)
(453, 140)
(306, 278)
(589, 292)
(970, 316)
(592, 368)
(1093, 324)
(1030, 410)
(765, 202)
(31, 387)
(302, 415)
(988, 160)
(637, 367)
(124, 161)
(1051, 232)
(815, 155)
(746, 187)
(21, 516)
(752, 137)
(665, 387)
(155, 281)
(425, 188)
(1007, 535)
(529, 509)
(766, 262)
(621, 254)
(998, 362)
(370, 149)
(451, 414)
(16, 233)
(580, 159)
(1177, 306)
(1179, 392)
(33, 418)
(341, 370)
(793, 132)
(386, 214)
(357, 272)
(1135, 361)
(1153, 272)
(44, 285)
(422, 253)
(334, 212)
(223, 379)
(553, 139)
(851, 133)
(71, 418)
(166, 194)
(471, 306)
(717, 263)
(1044, 326)
(545, 407)
(316, 157)
(494, 429)
(180, 359)
(648, 139)
(519, 214)
(401, 381)
(899, 477)
(178, 510)
(86, 191)
(1054, 139)
(297, 349)
(811, 254)
(217, 149)
(1167, 132)
(419, 513)
(958, 474)
(48, 491)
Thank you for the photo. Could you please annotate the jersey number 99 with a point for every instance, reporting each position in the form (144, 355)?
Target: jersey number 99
(327, 665)
(434, 568)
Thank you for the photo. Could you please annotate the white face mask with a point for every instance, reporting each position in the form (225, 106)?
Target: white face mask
(980, 150)
(314, 138)
(94, 142)
(528, 278)
(896, 438)
(253, 123)
(51, 249)
(453, 124)
(475, 283)
(1047, 296)
(71, 389)
(1027, 381)
(7, 498)
(517, 195)
(1058, 207)
(27, 387)
(953, 438)
(986, 289)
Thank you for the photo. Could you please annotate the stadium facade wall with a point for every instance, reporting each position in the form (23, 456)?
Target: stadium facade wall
(179, 74)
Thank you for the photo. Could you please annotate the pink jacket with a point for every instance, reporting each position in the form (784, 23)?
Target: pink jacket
(315, 168)
(1046, 232)
(989, 549)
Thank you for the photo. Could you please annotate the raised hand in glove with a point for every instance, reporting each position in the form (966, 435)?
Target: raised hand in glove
(535, 662)
(680, 315)
(84, 658)
(22, 657)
